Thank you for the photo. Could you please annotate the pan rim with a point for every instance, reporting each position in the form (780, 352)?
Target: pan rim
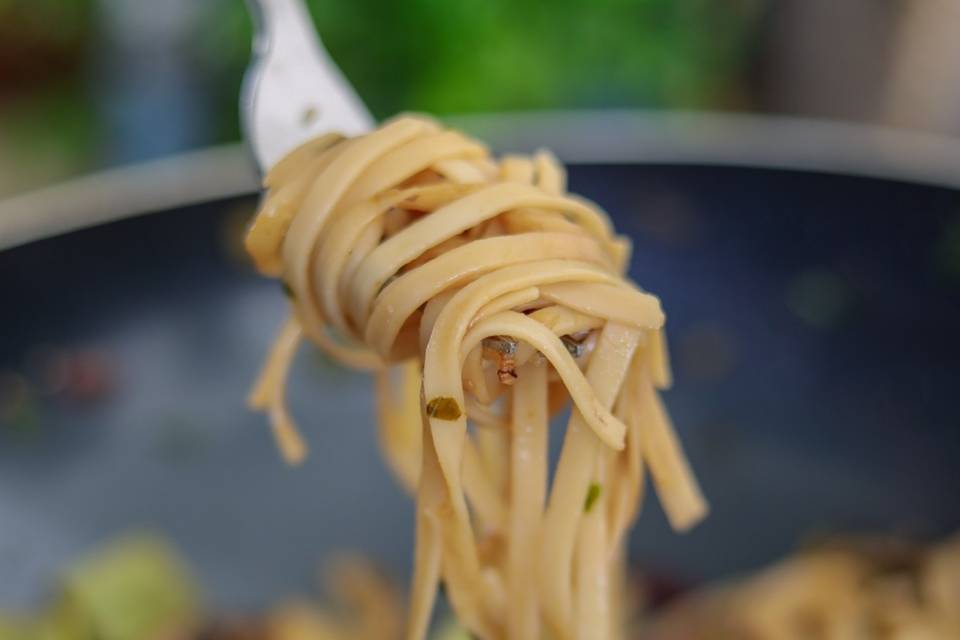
(612, 136)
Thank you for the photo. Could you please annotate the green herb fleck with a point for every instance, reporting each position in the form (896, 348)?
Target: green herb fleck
(444, 408)
(287, 289)
(570, 217)
(592, 494)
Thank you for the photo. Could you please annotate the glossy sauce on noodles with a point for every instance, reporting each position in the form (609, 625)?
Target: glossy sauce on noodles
(484, 298)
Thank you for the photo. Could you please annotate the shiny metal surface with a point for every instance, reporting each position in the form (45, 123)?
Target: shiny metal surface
(293, 91)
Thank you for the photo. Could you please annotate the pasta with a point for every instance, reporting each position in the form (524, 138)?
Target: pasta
(873, 588)
(483, 297)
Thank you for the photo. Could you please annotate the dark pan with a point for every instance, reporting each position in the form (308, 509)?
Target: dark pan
(813, 321)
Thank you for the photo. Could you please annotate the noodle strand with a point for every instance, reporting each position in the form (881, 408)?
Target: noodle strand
(485, 298)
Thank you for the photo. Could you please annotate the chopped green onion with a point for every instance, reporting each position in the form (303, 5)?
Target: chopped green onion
(592, 494)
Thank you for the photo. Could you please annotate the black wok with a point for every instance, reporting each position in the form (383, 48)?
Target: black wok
(813, 325)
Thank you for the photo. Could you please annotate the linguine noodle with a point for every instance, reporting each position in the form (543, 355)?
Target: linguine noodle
(484, 297)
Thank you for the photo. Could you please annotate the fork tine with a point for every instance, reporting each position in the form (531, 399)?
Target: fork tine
(293, 91)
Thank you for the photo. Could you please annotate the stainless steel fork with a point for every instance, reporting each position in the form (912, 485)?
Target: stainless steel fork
(293, 91)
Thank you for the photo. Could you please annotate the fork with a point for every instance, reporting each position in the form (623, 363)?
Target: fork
(292, 90)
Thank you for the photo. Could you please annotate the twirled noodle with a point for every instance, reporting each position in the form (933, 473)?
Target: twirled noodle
(480, 292)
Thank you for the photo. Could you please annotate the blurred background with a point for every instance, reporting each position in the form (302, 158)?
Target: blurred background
(812, 316)
(92, 83)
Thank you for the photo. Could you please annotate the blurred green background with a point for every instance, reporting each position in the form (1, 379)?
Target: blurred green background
(92, 83)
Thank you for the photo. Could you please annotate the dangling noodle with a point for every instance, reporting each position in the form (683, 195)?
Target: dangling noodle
(481, 293)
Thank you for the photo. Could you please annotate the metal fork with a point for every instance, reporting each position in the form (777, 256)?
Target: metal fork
(293, 91)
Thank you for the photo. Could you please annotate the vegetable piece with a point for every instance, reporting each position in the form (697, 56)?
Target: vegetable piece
(592, 494)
